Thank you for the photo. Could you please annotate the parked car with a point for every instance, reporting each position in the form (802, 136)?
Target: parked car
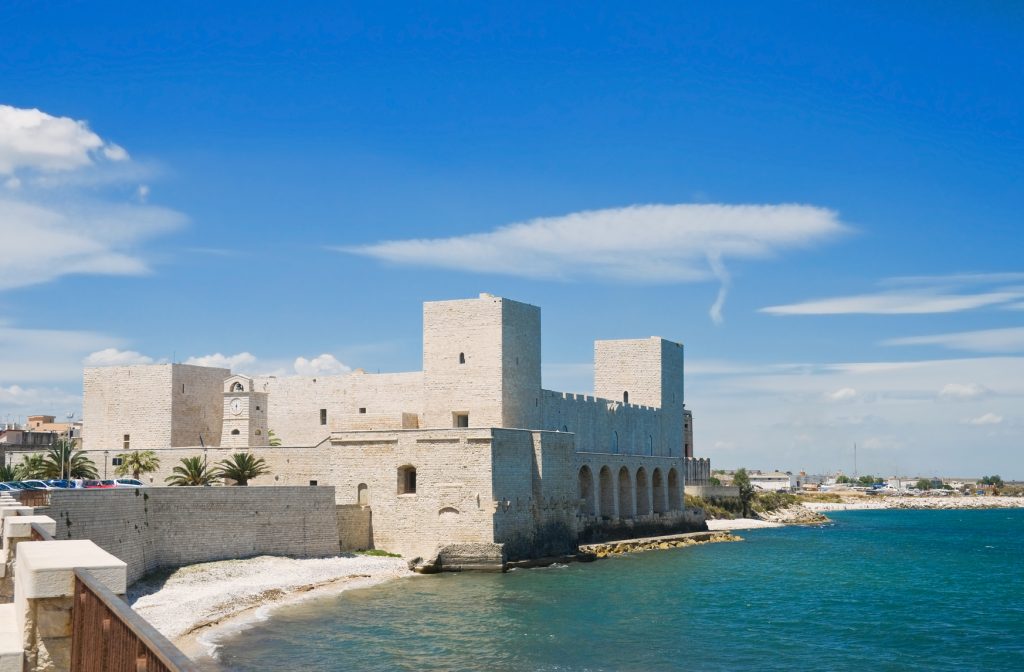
(93, 484)
(14, 485)
(128, 483)
(6, 488)
(59, 483)
(33, 484)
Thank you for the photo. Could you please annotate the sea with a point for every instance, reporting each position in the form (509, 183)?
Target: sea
(874, 590)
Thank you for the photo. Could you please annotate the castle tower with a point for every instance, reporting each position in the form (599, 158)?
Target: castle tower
(646, 372)
(245, 414)
(481, 363)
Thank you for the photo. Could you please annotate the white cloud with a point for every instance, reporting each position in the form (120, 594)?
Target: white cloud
(963, 391)
(324, 365)
(115, 357)
(33, 356)
(641, 243)
(32, 139)
(217, 360)
(54, 211)
(895, 303)
(987, 340)
(23, 400)
(843, 394)
(986, 419)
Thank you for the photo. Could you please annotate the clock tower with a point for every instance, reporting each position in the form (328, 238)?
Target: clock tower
(245, 414)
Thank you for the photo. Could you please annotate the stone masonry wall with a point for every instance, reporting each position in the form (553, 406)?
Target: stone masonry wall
(159, 527)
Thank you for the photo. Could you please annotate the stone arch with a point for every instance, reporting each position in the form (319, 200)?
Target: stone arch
(586, 491)
(658, 490)
(643, 494)
(625, 494)
(363, 494)
(407, 480)
(448, 514)
(607, 492)
(237, 387)
(675, 491)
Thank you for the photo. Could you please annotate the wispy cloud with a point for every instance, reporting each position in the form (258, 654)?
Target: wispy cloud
(115, 357)
(986, 419)
(640, 243)
(236, 362)
(987, 340)
(963, 391)
(53, 204)
(920, 294)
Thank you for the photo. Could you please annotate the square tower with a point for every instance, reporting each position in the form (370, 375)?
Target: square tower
(481, 363)
(245, 414)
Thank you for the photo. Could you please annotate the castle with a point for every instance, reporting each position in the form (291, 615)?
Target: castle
(469, 451)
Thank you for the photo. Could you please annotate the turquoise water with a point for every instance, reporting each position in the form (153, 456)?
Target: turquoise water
(879, 590)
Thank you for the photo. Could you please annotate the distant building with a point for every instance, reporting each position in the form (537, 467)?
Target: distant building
(773, 480)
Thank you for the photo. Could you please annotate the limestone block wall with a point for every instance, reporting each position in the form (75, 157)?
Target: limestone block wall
(452, 502)
(521, 359)
(357, 400)
(157, 527)
(601, 425)
(463, 361)
(355, 527)
(156, 405)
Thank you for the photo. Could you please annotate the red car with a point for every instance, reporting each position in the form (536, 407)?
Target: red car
(98, 484)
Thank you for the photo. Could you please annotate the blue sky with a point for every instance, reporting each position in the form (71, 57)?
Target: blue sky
(840, 186)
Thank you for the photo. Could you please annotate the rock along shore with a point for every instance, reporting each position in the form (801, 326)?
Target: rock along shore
(610, 548)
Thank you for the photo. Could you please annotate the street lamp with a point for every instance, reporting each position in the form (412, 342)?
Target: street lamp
(105, 452)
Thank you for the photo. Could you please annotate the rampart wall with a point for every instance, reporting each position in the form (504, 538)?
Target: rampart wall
(166, 527)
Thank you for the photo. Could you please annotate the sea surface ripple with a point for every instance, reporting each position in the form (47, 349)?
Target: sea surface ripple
(880, 590)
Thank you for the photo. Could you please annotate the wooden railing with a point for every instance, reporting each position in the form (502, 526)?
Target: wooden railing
(33, 497)
(107, 636)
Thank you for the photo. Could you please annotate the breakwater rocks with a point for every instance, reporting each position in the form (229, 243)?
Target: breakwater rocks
(797, 514)
(658, 543)
(950, 502)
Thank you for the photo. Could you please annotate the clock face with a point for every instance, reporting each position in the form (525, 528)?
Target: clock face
(236, 406)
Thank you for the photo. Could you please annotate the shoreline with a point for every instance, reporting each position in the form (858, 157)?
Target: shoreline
(864, 503)
(197, 605)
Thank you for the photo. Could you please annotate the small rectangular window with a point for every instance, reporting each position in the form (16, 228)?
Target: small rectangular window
(362, 410)
(116, 461)
(183, 388)
(323, 416)
(461, 420)
(127, 441)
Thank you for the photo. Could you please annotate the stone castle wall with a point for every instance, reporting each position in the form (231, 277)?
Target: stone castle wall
(600, 425)
(167, 527)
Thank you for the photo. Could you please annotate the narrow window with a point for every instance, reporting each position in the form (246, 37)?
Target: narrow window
(258, 433)
(615, 442)
(362, 494)
(362, 410)
(127, 441)
(257, 408)
(461, 420)
(462, 358)
(407, 480)
(323, 416)
(625, 397)
(183, 388)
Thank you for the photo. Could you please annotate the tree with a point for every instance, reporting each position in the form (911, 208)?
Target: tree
(32, 466)
(867, 480)
(843, 478)
(192, 471)
(241, 467)
(924, 484)
(742, 481)
(991, 480)
(714, 481)
(66, 461)
(137, 462)
(274, 439)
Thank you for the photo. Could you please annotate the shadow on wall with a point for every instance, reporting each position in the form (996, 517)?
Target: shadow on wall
(672, 522)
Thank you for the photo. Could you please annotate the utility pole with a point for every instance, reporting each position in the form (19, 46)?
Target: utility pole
(855, 461)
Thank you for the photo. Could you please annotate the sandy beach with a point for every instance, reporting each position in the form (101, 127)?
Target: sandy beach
(721, 524)
(195, 604)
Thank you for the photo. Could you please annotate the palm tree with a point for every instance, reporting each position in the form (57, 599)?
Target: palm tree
(65, 461)
(243, 466)
(192, 471)
(32, 466)
(137, 462)
(7, 473)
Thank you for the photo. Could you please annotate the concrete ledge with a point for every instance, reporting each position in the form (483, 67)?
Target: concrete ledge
(46, 568)
(15, 510)
(21, 526)
(11, 654)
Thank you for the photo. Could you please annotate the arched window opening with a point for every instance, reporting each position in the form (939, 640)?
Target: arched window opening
(586, 490)
(607, 493)
(658, 490)
(363, 494)
(675, 492)
(462, 358)
(643, 501)
(625, 397)
(650, 444)
(235, 387)
(615, 442)
(625, 494)
(235, 432)
(407, 480)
